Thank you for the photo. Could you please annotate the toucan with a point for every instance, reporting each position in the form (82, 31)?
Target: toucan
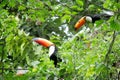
(92, 19)
(52, 49)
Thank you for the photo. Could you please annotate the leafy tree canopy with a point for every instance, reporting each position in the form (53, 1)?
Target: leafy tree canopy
(93, 53)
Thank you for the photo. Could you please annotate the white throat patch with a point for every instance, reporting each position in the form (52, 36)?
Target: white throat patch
(51, 50)
(88, 18)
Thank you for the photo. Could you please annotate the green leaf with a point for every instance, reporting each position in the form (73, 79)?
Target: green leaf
(66, 18)
(117, 5)
(77, 8)
(115, 25)
(91, 7)
(21, 7)
(98, 23)
(99, 68)
(12, 3)
(79, 2)
(90, 71)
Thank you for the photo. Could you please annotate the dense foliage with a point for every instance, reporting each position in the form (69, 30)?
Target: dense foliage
(93, 53)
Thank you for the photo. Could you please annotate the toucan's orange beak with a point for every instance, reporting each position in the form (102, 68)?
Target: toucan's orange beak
(80, 23)
(43, 42)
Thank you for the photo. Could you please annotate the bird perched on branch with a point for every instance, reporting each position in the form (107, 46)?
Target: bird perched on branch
(92, 19)
(52, 49)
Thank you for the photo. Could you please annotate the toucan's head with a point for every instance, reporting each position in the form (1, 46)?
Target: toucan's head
(51, 46)
(82, 21)
(46, 43)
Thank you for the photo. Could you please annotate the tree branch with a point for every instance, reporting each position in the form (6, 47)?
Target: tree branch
(109, 51)
(111, 45)
(2, 55)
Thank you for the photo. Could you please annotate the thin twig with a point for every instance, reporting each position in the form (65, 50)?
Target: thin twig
(13, 69)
